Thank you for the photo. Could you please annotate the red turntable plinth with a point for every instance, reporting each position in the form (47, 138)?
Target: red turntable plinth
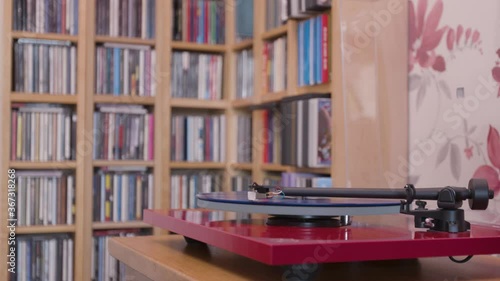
(381, 237)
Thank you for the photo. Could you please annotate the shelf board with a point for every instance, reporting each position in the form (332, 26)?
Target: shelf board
(125, 40)
(190, 46)
(274, 33)
(242, 166)
(246, 44)
(42, 165)
(197, 165)
(243, 102)
(275, 167)
(43, 98)
(320, 88)
(283, 168)
(106, 163)
(45, 36)
(119, 225)
(124, 99)
(325, 170)
(272, 97)
(196, 103)
(312, 14)
(43, 229)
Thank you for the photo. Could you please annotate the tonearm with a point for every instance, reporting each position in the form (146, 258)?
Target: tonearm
(448, 217)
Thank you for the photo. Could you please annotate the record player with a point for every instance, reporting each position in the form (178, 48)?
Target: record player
(311, 226)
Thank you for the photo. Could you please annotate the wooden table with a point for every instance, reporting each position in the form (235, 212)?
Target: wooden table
(170, 258)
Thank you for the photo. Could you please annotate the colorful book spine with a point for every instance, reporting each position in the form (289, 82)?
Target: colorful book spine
(123, 133)
(32, 143)
(198, 138)
(126, 18)
(46, 16)
(121, 194)
(44, 66)
(314, 56)
(274, 65)
(125, 70)
(45, 257)
(197, 76)
(104, 266)
(200, 21)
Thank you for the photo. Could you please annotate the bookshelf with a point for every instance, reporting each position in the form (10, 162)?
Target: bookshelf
(46, 229)
(43, 98)
(119, 225)
(351, 163)
(48, 36)
(246, 44)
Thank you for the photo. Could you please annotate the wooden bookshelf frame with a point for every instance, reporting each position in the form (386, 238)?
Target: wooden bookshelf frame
(5, 66)
(162, 105)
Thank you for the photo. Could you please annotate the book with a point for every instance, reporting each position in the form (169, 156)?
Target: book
(317, 5)
(126, 18)
(198, 137)
(45, 257)
(45, 198)
(244, 74)
(104, 266)
(196, 75)
(42, 133)
(42, 16)
(125, 70)
(274, 65)
(321, 144)
(297, 132)
(314, 56)
(185, 185)
(199, 21)
(44, 66)
(299, 9)
(244, 14)
(123, 132)
(122, 193)
(244, 138)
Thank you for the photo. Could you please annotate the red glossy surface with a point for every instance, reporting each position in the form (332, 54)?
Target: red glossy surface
(368, 238)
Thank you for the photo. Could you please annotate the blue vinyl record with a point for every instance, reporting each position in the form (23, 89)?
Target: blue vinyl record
(284, 205)
(241, 197)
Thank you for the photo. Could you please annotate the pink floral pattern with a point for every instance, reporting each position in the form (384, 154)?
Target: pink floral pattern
(454, 40)
(425, 36)
(491, 172)
(496, 72)
(469, 152)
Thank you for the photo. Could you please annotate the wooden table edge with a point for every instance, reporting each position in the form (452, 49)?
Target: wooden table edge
(128, 256)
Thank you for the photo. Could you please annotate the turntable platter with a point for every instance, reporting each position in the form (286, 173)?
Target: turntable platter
(296, 206)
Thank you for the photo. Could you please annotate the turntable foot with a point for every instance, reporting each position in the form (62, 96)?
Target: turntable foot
(192, 241)
(301, 272)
